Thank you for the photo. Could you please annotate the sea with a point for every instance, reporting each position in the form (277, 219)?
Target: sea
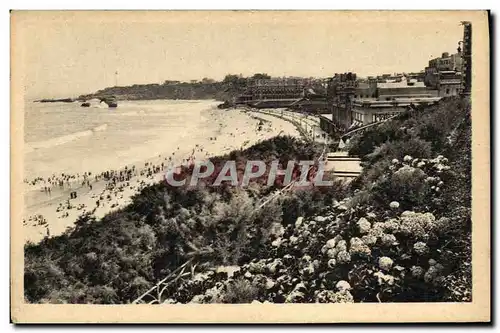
(67, 138)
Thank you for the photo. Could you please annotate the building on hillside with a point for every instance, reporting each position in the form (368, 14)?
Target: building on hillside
(444, 74)
(277, 88)
(365, 112)
(403, 89)
(447, 62)
(341, 90)
(416, 76)
(273, 92)
(353, 103)
(367, 89)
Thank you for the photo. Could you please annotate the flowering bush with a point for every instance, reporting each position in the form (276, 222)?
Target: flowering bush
(401, 234)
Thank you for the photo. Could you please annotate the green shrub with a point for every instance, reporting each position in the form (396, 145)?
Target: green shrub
(240, 291)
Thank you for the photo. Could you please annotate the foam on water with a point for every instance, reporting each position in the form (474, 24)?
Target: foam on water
(64, 137)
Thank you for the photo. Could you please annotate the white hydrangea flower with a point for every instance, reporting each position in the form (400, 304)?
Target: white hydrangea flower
(395, 161)
(388, 239)
(332, 263)
(332, 253)
(341, 245)
(420, 248)
(394, 205)
(357, 246)
(407, 158)
(385, 263)
(331, 243)
(343, 297)
(276, 242)
(417, 271)
(369, 239)
(363, 225)
(343, 257)
(376, 232)
(417, 224)
(406, 170)
(390, 225)
(343, 285)
(329, 296)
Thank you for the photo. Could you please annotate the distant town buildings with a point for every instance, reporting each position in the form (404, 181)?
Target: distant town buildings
(444, 74)
(284, 92)
(277, 88)
(340, 93)
(354, 103)
(347, 101)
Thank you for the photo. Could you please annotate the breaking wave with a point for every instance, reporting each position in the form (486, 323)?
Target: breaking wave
(61, 140)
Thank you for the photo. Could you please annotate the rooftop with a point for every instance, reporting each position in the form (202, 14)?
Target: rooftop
(402, 84)
(396, 102)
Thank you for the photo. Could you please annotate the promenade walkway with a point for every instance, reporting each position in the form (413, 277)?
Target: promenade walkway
(343, 166)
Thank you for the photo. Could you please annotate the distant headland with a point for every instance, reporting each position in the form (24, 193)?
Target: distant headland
(231, 86)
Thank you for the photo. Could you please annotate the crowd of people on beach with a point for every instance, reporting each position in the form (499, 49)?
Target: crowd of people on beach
(106, 189)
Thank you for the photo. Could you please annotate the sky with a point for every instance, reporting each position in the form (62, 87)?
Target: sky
(64, 54)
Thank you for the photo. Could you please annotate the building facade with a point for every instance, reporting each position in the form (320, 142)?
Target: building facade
(365, 112)
(341, 90)
(444, 74)
(403, 89)
(353, 103)
(277, 88)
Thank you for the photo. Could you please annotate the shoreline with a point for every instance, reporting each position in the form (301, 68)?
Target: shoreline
(51, 214)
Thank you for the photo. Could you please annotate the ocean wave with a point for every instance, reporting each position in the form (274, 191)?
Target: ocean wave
(61, 140)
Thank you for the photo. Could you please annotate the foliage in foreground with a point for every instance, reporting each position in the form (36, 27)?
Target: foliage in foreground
(116, 259)
(401, 234)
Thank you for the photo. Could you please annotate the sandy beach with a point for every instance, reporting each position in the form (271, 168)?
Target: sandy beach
(51, 212)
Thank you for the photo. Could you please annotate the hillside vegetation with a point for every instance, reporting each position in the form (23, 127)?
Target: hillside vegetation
(231, 86)
(399, 233)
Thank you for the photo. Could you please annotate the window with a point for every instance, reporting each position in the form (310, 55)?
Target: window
(447, 91)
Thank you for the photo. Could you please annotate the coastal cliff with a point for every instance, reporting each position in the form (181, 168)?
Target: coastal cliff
(185, 91)
(225, 90)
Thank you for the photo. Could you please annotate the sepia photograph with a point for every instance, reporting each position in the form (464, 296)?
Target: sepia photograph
(250, 166)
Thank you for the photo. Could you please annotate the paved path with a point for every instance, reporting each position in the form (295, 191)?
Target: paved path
(343, 166)
(308, 123)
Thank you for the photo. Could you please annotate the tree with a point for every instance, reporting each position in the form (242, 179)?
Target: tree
(207, 80)
(258, 76)
(231, 78)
